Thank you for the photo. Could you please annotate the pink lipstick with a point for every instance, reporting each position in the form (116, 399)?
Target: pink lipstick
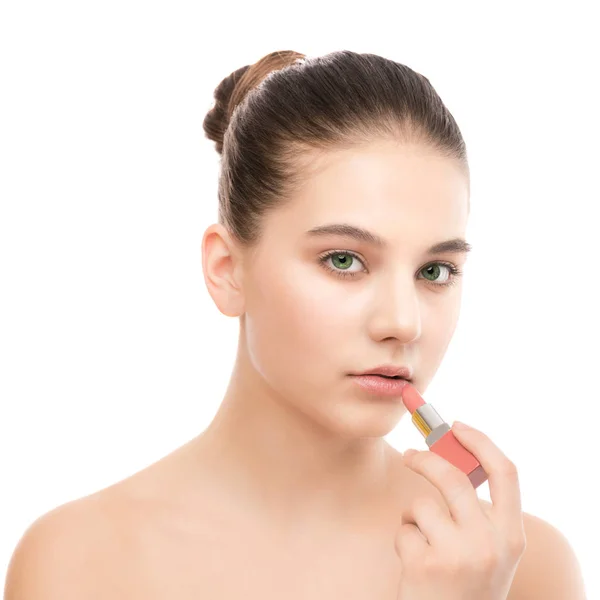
(382, 386)
(439, 437)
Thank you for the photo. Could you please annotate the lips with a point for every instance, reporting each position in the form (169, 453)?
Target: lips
(380, 385)
(389, 371)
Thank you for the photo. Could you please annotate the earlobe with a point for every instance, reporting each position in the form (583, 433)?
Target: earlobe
(221, 271)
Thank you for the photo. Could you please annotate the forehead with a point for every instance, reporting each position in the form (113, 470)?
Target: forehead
(401, 192)
(386, 172)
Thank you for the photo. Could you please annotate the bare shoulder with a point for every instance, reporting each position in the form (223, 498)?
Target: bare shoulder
(549, 568)
(93, 547)
(67, 552)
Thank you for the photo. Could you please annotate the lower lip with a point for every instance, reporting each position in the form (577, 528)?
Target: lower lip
(380, 385)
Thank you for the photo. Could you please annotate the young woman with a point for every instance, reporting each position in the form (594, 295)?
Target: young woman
(343, 204)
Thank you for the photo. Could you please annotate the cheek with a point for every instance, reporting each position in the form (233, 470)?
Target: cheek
(438, 330)
(296, 321)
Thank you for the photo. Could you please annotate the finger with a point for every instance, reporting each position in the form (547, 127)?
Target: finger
(455, 487)
(434, 522)
(503, 478)
(410, 544)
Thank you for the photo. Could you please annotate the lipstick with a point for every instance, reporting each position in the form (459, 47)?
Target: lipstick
(439, 437)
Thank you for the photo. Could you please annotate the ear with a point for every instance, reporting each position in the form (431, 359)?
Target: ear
(222, 268)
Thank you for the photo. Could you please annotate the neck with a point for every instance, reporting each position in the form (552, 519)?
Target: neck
(273, 458)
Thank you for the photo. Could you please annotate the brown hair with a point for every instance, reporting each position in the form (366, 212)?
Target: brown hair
(271, 119)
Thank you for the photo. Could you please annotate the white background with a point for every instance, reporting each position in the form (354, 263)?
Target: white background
(112, 352)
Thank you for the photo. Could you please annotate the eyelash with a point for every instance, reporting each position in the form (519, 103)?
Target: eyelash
(454, 270)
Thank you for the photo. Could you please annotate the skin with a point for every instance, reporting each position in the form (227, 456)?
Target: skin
(291, 491)
(308, 443)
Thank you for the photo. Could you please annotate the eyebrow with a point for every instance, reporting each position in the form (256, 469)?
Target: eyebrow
(456, 245)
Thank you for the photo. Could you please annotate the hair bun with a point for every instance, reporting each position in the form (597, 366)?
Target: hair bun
(217, 119)
(234, 88)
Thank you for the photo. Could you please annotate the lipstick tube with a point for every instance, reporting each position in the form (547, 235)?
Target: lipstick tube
(439, 437)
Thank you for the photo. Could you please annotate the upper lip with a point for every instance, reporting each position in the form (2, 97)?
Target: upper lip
(389, 371)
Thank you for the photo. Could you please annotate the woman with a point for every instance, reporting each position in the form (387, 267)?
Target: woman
(343, 204)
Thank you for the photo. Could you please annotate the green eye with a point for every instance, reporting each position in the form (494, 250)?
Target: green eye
(455, 273)
(435, 267)
(342, 260)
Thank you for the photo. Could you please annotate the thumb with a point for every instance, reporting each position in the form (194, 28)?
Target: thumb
(409, 542)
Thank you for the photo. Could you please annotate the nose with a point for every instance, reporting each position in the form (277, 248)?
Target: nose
(396, 313)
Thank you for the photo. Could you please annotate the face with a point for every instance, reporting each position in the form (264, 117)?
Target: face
(310, 319)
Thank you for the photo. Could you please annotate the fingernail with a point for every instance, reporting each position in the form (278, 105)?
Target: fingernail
(459, 425)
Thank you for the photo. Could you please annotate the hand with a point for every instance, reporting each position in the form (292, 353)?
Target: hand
(473, 553)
